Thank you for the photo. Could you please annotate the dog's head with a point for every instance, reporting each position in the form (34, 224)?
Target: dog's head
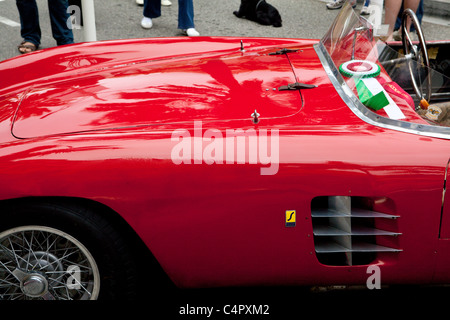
(271, 13)
(277, 24)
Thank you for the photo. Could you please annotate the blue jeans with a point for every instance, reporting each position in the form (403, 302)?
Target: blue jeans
(29, 21)
(152, 9)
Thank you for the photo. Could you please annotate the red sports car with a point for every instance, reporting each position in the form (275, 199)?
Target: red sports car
(216, 162)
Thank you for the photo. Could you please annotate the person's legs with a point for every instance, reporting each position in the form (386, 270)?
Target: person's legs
(391, 9)
(419, 14)
(29, 21)
(365, 8)
(152, 8)
(58, 19)
(413, 5)
(185, 14)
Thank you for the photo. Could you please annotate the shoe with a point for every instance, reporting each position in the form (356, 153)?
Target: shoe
(27, 47)
(146, 23)
(140, 2)
(365, 10)
(166, 3)
(397, 35)
(191, 32)
(337, 4)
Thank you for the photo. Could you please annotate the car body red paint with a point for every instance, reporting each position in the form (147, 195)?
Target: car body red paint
(96, 121)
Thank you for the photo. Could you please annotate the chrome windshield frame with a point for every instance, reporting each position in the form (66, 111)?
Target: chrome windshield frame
(364, 113)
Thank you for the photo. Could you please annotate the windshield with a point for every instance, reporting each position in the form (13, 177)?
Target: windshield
(376, 79)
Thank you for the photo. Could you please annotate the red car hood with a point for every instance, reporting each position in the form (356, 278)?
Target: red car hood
(177, 81)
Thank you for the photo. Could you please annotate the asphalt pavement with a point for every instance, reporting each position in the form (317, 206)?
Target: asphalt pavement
(120, 19)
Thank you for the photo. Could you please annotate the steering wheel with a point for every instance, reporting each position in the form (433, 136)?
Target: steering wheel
(421, 55)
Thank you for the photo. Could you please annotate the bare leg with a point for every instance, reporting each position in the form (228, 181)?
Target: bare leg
(413, 5)
(392, 8)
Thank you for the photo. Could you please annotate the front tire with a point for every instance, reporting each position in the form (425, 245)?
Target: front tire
(63, 252)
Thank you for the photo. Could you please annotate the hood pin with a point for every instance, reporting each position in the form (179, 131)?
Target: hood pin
(255, 115)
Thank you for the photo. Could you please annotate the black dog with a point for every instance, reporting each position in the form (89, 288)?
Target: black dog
(259, 11)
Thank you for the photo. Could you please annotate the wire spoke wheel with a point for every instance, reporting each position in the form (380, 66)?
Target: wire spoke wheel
(43, 263)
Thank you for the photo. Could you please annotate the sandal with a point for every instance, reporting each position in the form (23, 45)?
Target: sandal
(27, 47)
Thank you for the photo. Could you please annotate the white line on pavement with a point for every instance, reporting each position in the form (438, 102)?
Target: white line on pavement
(9, 22)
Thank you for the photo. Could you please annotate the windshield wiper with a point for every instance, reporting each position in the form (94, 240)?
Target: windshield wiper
(282, 51)
(296, 86)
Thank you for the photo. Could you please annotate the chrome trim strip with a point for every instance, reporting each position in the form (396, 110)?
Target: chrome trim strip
(364, 113)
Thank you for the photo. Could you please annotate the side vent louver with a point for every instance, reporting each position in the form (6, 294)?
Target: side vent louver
(347, 232)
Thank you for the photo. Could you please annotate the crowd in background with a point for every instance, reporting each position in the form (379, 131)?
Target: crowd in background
(392, 12)
(62, 33)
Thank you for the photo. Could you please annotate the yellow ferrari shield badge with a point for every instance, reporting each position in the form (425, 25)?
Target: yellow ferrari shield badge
(290, 218)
